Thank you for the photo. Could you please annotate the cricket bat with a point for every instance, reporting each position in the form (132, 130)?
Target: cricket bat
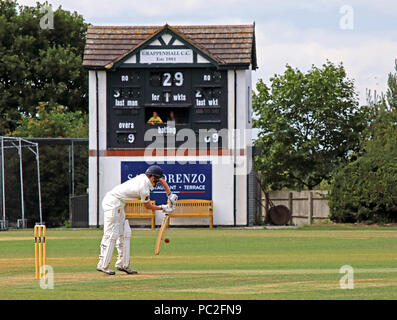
(161, 232)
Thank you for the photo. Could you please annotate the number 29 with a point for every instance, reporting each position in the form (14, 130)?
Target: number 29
(178, 79)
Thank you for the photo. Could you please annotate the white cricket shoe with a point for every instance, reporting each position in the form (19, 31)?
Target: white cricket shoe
(106, 270)
(127, 270)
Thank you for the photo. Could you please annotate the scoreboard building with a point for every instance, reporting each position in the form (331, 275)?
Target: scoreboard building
(179, 97)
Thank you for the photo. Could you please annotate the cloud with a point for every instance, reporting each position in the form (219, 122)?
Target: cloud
(368, 57)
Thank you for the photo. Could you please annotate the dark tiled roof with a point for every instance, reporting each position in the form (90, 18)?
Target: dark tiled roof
(227, 44)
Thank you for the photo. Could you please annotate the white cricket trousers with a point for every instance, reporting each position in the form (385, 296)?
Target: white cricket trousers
(116, 231)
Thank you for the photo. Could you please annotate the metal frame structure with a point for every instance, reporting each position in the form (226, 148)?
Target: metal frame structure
(71, 142)
(19, 143)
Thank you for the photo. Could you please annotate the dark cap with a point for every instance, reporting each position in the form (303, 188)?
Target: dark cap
(154, 171)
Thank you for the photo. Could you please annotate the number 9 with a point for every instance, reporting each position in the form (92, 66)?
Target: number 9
(178, 79)
(131, 138)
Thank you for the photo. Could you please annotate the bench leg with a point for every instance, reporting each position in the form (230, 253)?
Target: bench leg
(153, 224)
(211, 222)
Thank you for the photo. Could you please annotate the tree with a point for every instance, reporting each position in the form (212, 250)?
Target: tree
(391, 93)
(53, 121)
(383, 109)
(366, 188)
(39, 65)
(308, 124)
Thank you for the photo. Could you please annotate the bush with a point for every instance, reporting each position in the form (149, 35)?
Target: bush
(366, 190)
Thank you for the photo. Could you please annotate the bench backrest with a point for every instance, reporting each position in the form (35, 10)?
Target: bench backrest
(136, 207)
(193, 206)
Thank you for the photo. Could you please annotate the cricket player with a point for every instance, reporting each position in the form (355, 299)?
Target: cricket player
(116, 229)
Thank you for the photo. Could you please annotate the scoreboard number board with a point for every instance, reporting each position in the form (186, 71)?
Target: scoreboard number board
(166, 100)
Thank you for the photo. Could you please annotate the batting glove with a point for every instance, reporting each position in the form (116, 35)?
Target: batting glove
(173, 198)
(166, 209)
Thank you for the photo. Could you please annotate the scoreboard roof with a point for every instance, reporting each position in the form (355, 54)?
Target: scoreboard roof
(227, 45)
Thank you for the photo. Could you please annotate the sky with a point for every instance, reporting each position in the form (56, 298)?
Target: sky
(362, 34)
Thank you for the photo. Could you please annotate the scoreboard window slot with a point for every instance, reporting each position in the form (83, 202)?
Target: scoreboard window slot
(211, 110)
(168, 115)
(126, 111)
(217, 76)
(207, 125)
(135, 77)
(167, 79)
(126, 93)
(126, 138)
(155, 79)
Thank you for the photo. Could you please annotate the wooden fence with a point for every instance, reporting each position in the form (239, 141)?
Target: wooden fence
(306, 206)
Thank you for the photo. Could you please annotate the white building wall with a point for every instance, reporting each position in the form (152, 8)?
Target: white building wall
(242, 145)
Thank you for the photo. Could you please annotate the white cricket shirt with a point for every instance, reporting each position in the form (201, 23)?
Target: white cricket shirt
(137, 188)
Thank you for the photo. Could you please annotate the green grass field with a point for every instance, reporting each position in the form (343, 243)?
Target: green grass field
(209, 264)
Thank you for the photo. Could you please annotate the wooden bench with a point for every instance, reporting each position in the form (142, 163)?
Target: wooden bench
(193, 208)
(135, 209)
